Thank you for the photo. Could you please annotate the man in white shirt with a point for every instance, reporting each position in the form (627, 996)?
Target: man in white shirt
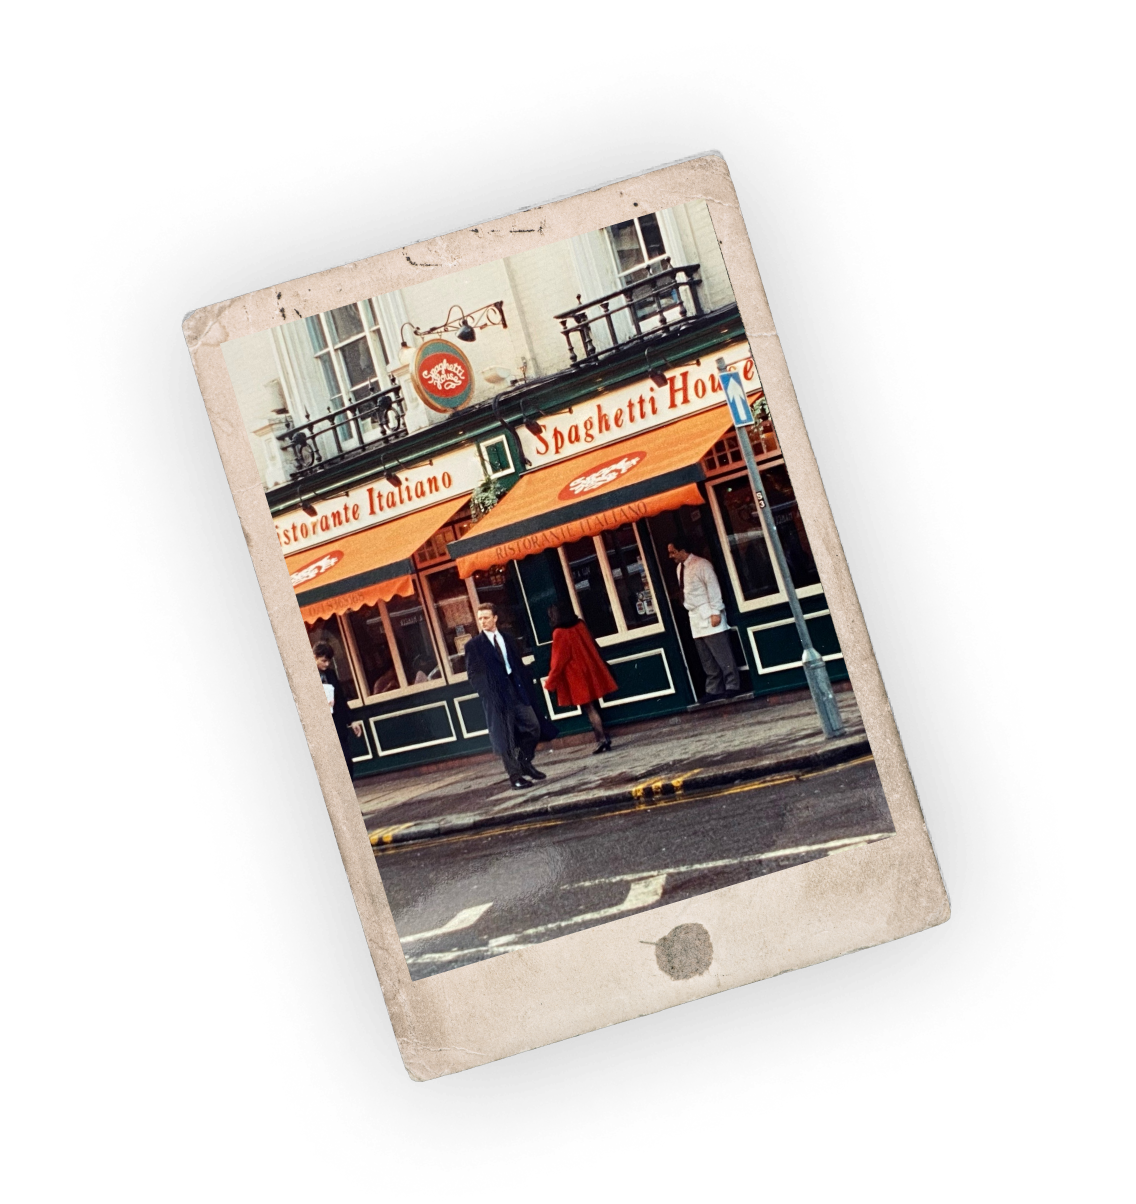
(702, 597)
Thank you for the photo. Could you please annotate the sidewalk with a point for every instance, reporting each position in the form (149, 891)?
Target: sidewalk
(713, 746)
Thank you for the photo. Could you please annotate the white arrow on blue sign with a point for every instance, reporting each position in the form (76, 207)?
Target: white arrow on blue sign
(736, 398)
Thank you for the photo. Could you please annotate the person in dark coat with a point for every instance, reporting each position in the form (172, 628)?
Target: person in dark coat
(497, 671)
(336, 699)
(578, 672)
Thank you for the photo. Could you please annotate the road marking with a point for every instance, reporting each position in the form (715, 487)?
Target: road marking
(477, 952)
(464, 919)
(825, 846)
(644, 891)
(671, 801)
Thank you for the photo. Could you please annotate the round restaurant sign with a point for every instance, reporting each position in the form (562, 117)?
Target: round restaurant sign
(601, 475)
(443, 376)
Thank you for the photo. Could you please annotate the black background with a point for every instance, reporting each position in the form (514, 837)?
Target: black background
(950, 142)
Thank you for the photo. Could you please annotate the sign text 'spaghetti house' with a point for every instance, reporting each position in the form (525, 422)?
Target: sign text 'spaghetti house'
(497, 436)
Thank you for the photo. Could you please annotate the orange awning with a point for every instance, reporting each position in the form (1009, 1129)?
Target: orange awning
(635, 478)
(366, 568)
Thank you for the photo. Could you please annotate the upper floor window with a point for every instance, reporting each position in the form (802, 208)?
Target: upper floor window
(348, 344)
(639, 248)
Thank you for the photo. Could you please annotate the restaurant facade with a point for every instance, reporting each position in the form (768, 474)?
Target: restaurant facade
(561, 483)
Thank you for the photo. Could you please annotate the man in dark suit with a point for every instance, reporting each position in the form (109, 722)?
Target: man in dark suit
(497, 672)
(336, 699)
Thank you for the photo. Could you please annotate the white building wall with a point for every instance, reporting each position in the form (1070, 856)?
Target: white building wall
(717, 290)
(255, 374)
(545, 282)
(279, 366)
(427, 304)
(303, 380)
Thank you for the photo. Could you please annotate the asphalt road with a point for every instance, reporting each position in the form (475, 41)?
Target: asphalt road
(464, 898)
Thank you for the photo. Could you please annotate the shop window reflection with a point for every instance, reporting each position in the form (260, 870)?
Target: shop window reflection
(591, 591)
(454, 611)
(374, 650)
(629, 576)
(542, 580)
(500, 586)
(412, 640)
(326, 631)
(746, 539)
(790, 526)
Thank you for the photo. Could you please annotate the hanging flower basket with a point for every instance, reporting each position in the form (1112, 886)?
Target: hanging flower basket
(484, 498)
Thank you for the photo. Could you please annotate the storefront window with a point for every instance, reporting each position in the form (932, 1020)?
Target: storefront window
(500, 586)
(454, 610)
(542, 577)
(326, 631)
(746, 539)
(374, 650)
(790, 526)
(591, 590)
(412, 639)
(629, 576)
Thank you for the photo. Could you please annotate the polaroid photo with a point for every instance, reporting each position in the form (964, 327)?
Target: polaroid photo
(566, 617)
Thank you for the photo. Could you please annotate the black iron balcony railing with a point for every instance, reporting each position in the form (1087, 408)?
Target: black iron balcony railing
(373, 418)
(659, 302)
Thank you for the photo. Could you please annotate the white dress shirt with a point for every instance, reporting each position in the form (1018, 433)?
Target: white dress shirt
(496, 640)
(702, 596)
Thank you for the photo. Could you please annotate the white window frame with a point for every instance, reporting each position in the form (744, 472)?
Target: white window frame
(439, 639)
(333, 351)
(483, 449)
(650, 321)
(716, 471)
(349, 654)
(405, 687)
(742, 603)
(647, 259)
(623, 632)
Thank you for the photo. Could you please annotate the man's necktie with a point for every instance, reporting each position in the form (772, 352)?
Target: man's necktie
(681, 576)
(496, 642)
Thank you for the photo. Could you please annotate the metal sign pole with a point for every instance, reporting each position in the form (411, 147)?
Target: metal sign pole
(816, 674)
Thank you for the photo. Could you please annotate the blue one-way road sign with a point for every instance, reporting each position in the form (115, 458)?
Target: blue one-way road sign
(736, 398)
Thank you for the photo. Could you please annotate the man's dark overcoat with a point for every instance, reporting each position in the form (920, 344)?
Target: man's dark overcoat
(341, 714)
(488, 677)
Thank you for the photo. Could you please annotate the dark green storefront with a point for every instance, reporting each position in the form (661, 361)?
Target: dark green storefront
(402, 661)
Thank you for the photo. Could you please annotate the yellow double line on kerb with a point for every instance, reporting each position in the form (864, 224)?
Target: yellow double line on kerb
(645, 791)
(386, 835)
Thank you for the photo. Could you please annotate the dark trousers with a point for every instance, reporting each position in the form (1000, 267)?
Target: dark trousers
(717, 659)
(514, 731)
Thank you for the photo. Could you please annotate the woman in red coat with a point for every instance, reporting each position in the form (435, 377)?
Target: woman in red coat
(578, 673)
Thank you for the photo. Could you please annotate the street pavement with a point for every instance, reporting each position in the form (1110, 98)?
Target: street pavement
(462, 898)
(723, 744)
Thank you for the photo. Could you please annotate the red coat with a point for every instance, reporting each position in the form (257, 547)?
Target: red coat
(577, 672)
